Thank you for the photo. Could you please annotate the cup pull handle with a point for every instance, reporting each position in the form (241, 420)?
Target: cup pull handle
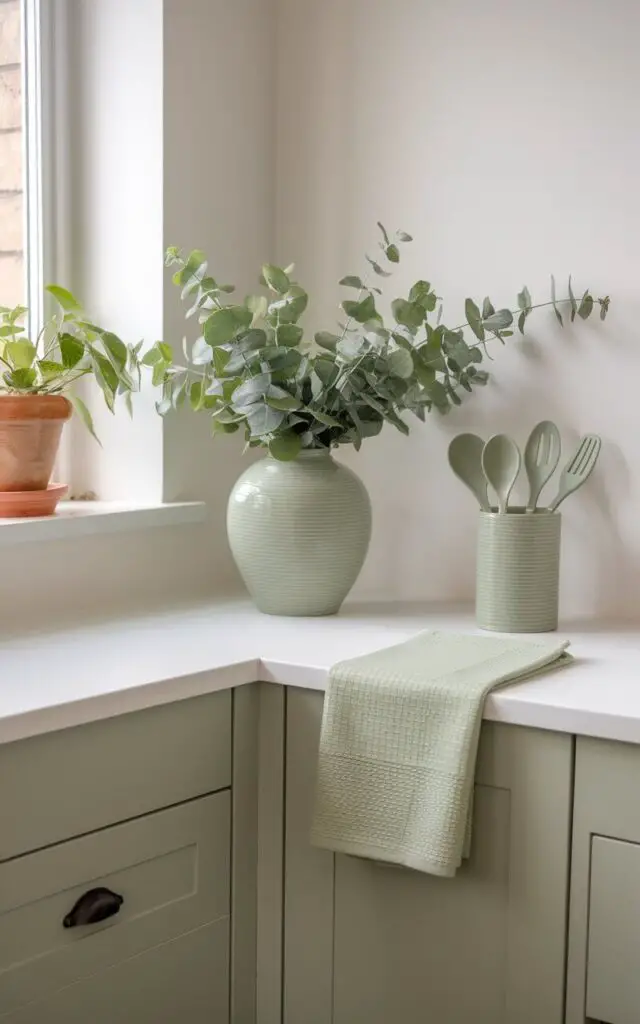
(93, 906)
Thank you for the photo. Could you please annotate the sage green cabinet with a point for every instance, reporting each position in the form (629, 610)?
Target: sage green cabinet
(603, 982)
(151, 806)
(366, 944)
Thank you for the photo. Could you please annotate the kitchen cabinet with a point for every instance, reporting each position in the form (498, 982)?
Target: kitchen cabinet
(603, 982)
(369, 944)
(116, 896)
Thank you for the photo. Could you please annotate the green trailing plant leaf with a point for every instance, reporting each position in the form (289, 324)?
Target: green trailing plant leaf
(392, 253)
(83, 412)
(71, 350)
(64, 298)
(21, 354)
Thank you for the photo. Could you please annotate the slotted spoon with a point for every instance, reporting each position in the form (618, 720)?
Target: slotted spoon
(541, 457)
(578, 469)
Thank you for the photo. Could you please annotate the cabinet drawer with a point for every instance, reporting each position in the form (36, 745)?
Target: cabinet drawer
(63, 784)
(613, 980)
(171, 869)
(184, 980)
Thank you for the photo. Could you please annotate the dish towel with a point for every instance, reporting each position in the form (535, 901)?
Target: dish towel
(399, 741)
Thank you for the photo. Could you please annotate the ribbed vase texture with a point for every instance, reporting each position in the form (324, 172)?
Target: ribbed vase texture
(299, 532)
(518, 570)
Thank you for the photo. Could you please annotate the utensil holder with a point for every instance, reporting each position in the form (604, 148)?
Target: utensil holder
(518, 571)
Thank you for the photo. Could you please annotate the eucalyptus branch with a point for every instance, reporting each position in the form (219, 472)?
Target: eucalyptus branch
(287, 398)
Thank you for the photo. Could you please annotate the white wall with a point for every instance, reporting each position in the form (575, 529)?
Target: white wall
(173, 143)
(506, 138)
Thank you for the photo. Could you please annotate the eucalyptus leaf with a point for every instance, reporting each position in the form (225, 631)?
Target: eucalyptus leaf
(223, 324)
(384, 233)
(326, 340)
(262, 419)
(352, 281)
(392, 253)
(554, 302)
(275, 278)
(201, 353)
(474, 318)
(499, 320)
(285, 446)
(400, 363)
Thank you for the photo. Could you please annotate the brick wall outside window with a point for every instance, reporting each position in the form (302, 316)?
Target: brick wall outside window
(11, 182)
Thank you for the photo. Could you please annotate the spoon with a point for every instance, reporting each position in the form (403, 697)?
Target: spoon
(578, 469)
(541, 458)
(501, 464)
(465, 459)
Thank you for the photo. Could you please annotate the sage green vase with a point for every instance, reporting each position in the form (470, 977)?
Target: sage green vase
(299, 532)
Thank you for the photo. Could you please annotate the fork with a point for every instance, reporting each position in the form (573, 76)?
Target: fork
(578, 468)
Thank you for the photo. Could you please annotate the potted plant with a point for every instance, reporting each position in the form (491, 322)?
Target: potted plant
(298, 522)
(37, 377)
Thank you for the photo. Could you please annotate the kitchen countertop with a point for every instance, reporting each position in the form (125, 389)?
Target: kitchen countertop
(68, 677)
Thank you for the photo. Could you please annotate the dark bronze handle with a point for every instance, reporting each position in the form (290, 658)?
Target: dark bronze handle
(93, 906)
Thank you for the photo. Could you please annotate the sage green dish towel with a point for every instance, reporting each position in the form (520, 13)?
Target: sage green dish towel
(399, 742)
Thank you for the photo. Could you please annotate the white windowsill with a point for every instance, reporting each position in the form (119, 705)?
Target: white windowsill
(81, 518)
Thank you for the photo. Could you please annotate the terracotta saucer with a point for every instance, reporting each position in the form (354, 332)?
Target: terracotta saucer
(31, 503)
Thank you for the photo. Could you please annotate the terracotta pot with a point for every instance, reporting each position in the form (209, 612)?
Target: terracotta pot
(30, 429)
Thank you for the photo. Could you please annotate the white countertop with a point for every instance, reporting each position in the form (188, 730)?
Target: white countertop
(51, 681)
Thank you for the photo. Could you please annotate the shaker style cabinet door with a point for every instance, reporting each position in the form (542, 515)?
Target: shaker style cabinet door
(603, 980)
(366, 944)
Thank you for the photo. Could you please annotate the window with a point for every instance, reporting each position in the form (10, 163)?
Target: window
(12, 140)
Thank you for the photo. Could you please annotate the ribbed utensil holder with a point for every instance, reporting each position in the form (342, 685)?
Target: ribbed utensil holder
(518, 570)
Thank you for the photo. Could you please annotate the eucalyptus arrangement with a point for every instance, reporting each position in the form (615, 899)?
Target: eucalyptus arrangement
(299, 523)
(252, 367)
(37, 376)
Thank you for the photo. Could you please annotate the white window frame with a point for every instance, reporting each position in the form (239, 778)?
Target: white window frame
(44, 152)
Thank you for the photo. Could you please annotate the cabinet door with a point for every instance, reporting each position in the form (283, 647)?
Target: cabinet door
(184, 980)
(366, 944)
(602, 976)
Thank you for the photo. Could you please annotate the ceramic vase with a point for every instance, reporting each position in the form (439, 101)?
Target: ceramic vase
(299, 532)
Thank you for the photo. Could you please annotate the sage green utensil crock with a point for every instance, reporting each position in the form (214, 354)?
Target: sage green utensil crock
(517, 572)
(299, 532)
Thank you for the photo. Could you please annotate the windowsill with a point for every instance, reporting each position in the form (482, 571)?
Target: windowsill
(83, 518)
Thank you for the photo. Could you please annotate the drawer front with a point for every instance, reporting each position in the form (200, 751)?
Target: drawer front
(186, 980)
(66, 783)
(171, 869)
(613, 980)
